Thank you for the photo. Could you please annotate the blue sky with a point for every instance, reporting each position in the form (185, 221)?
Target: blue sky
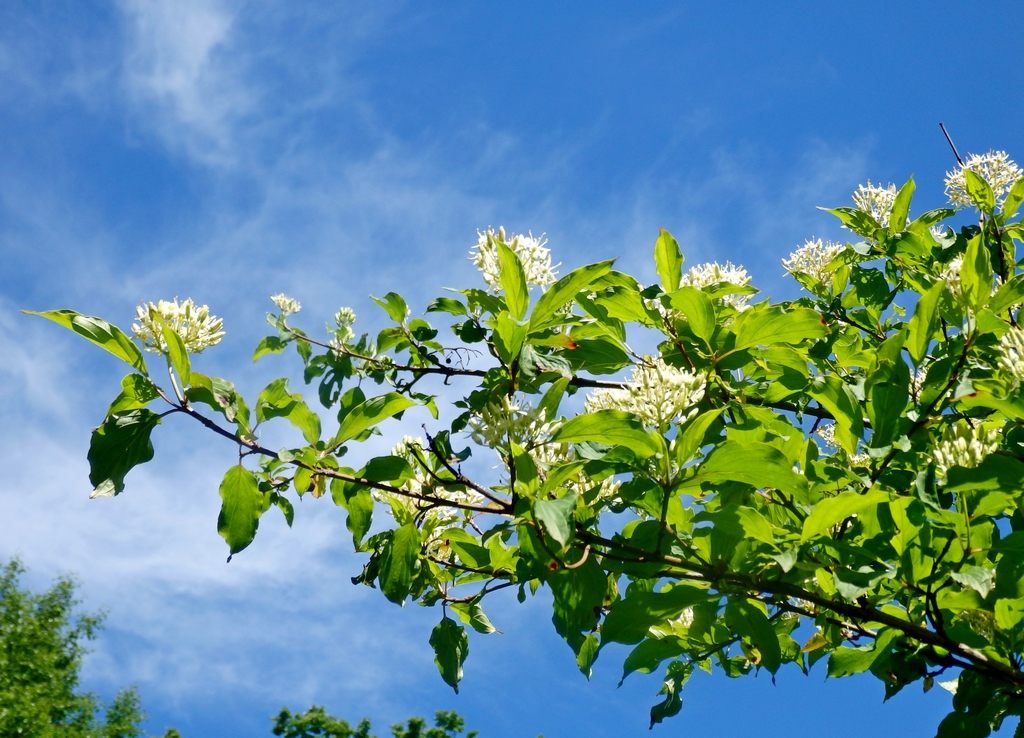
(227, 150)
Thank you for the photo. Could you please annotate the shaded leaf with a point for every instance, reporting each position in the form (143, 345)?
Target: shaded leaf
(398, 563)
(451, 647)
(121, 443)
(557, 518)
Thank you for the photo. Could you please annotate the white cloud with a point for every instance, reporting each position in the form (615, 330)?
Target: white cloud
(178, 63)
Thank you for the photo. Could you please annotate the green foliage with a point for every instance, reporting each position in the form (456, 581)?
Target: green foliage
(42, 642)
(846, 467)
(316, 722)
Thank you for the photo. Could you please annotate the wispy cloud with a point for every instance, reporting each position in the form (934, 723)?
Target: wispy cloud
(178, 66)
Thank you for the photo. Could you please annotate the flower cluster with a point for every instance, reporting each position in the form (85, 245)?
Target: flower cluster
(433, 518)
(287, 305)
(509, 419)
(195, 326)
(964, 445)
(1011, 353)
(414, 451)
(342, 331)
(712, 273)
(813, 259)
(950, 274)
(995, 167)
(827, 433)
(550, 455)
(657, 393)
(875, 201)
(532, 253)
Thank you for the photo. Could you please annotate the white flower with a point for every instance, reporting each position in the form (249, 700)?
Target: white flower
(950, 274)
(342, 328)
(917, 381)
(510, 418)
(827, 433)
(875, 201)
(995, 167)
(433, 518)
(550, 455)
(657, 393)
(532, 254)
(1011, 353)
(712, 273)
(813, 259)
(287, 305)
(195, 326)
(964, 445)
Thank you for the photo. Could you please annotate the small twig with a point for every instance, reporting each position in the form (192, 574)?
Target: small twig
(582, 561)
(951, 144)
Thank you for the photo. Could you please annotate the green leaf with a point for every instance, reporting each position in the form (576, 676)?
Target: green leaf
(848, 661)
(120, 444)
(757, 464)
(269, 345)
(513, 281)
(888, 401)
(668, 260)
(676, 675)
(976, 274)
(241, 507)
(900, 208)
(995, 472)
(564, 290)
(1014, 198)
(286, 508)
(177, 354)
(628, 620)
(451, 647)
(358, 502)
(598, 355)
(447, 305)
(100, 332)
(832, 510)
(398, 563)
(925, 323)
(978, 578)
(610, 427)
(1008, 294)
(588, 654)
(755, 526)
(276, 401)
(698, 309)
(371, 412)
(749, 620)
(393, 305)
(578, 596)
(557, 518)
(509, 336)
(1009, 612)
(856, 220)
(689, 442)
(646, 657)
(473, 615)
(835, 396)
(980, 192)
(136, 391)
(553, 397)
(771, 326)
